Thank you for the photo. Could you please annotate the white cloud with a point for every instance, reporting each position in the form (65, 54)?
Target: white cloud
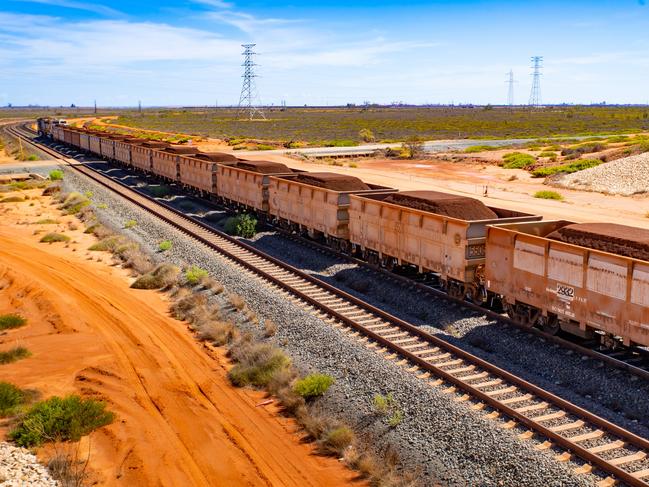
(90, 7)
(215, 3)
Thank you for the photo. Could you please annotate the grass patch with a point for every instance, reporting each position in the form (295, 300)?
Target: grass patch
(54, 237)
(548, 195)
(130, 224)
(56, 175)
(335, 441)
(195, 274)
(517, 160)
(165, 245)
(108, 244)
(161, 277)
(257, 364)
(241, 225)
(566, 168)
(11, 399)
(60, 419)
(10, 321)
(47, 221)
(313, 385)
(340, 143)
(548, 154)
(13, 355)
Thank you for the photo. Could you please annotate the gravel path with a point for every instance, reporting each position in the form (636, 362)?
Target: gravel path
(627, 176)
(446, 440)
(19, 468)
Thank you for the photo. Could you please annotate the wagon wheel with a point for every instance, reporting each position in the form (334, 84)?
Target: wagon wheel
(456, 290)
(389, 264)
(373, 259)
(345, 247)
(478, 294)
(550, 324)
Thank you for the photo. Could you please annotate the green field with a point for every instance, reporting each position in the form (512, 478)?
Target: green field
(341, 126)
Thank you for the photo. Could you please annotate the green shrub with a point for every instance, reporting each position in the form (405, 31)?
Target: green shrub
(54, 237)
(195, 274)
(88, 194)
(257, 364)
(566, 168)
(13, 355)
(388, 407)
(366, 135)
(264, 147)
(60, 419)
(479, 148)
(547, 154)
(340, 143)
(313, 385)
(518, 160)
(335, 441)
(617, 138)
(130, 224)
(56, 175)
(548, 195)
(162, 276)
(74, 202)
(11, 321)
(11, 398)
(241, 225)
(165, 245)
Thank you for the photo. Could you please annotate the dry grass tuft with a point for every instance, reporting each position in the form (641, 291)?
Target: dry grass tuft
(270, 328)
(218, 332)
(161, 277)
(237, 301)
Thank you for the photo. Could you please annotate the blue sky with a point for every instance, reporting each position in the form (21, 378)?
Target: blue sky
(166, 52)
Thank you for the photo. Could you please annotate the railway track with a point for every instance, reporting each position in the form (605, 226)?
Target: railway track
(604, 446)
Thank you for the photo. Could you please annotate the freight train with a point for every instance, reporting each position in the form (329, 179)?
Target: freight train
(590, 280)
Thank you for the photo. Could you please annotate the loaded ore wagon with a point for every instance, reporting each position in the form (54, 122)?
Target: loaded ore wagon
(108, 146)
(75, 138)
(84, 141)
(244, 184)
(199, 172)
(582, 278)
(67, 136)
(123, 149)
(164, 162)
(438, 233)
(95, 142)
(317, 204)
(141, 154)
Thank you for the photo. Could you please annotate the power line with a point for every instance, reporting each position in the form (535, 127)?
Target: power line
(249, 90)
(535, 94)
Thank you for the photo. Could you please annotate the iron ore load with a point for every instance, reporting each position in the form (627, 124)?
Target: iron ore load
(585, 279)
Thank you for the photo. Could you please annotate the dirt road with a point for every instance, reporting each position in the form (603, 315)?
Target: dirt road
(179, 422)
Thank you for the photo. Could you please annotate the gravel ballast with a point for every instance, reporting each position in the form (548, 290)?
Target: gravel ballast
(446, 440)
(627, 176)
(20, 468)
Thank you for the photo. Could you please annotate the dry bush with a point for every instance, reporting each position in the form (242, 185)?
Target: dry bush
(185, 308)
(212, 284)
(134, 258)
(270, 328)
(237, 301)
(52, 190)
(315, 422)
(335, 440)
(257, 364)
(68, 468)
(218, 332)
(292, 403)
(161, 277)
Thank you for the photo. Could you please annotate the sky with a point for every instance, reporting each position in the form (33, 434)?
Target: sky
(188, 52)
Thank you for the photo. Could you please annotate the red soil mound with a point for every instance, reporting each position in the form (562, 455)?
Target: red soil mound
(333, 181)
(216, 157)
(451, 205)
(609, 237)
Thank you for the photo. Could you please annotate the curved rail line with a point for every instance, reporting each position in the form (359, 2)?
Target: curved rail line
(602, 444)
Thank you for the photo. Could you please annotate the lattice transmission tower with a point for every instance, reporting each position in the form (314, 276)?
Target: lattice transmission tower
(510, 92)
(248, 98)
(535, 94)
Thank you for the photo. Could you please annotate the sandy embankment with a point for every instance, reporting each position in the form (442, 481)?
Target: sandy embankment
(179, 422)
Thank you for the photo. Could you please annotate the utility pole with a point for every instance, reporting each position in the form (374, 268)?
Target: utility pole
(248, 90)
(139, 106)
(535, 94)
(95, 107)
(510, 91)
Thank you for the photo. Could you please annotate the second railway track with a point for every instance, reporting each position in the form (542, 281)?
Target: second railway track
(603, 445)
